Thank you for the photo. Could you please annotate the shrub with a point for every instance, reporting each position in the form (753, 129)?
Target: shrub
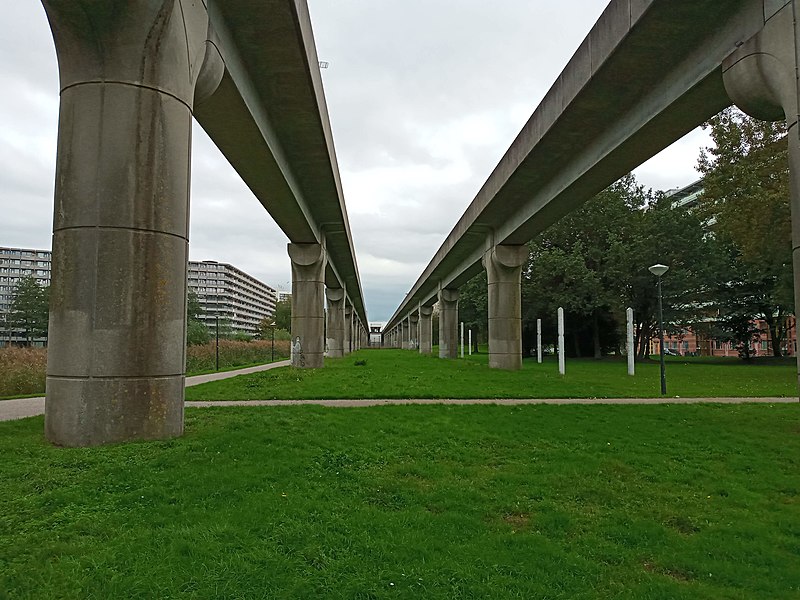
(22, 371)
(233, 354)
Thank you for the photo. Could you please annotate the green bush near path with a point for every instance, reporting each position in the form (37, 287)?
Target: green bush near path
(407, 374)
(437, 502)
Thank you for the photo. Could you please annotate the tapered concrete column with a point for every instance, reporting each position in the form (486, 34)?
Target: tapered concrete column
(413, 320)
(761, 78)
(448, 323)
(348, 328)
(335, 330)
(129, 75)
(503, 266)
(308, 308)
(425, 329)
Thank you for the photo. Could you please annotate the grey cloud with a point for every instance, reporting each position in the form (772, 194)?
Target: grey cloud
(424, 99)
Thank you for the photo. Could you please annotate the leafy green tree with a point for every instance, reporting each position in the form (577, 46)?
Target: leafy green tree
(283, 314)
(196, 331)
(746, 201)
(473, 309)
(594, 262)
(30, 308)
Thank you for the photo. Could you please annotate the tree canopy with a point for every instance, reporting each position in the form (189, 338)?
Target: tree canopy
(30, 309)
(746, 204)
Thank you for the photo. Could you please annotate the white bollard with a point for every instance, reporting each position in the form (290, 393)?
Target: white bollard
(539, 340)
(469, 345)
(462, 339)
(561, 364)
(631, 349)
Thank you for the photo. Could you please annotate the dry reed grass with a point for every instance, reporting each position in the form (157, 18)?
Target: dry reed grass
(22, 370)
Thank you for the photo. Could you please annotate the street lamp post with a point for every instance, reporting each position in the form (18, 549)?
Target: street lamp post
(658, 270)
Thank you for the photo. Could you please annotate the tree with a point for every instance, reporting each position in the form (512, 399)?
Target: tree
(196, 331)
(473, 308)
(746, 200)
(283, 314)
(30, 308)
(594, 262)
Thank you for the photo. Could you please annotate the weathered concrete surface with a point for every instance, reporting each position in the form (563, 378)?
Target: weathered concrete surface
(335, 329)
(348, 328)
(413, 332)
(308, 308)
(425, 330)
(648, 72)
(448, 323)
(128, 77)
(762, 79)
(503, 266)
(31, 407)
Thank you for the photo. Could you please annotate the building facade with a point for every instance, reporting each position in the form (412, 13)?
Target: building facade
(15, 265)
(224, 291)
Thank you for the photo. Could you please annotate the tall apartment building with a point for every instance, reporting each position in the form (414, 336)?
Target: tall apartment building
(231, 294)
(223, 290)
(15, 265)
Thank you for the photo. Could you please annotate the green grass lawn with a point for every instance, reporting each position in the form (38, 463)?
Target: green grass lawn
(406, 374)
(431, 502)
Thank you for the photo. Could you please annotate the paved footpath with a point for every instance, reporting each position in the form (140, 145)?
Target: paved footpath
(30, 407)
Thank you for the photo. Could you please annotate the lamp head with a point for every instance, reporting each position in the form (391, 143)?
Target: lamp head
(658, 270)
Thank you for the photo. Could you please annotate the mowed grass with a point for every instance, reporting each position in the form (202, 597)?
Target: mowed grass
(407, 374)
(434, 502)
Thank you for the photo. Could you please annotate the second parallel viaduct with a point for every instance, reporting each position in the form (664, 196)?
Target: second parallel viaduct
(649, 72)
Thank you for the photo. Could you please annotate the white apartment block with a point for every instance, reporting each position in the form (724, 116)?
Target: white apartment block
(15, 265)
(222, 289)
(231, 294)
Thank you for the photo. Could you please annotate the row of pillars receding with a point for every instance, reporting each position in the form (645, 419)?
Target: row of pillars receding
(503, 266)
(344, 333)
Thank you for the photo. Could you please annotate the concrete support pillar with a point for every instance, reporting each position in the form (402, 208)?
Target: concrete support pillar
(129, 76)
(413, 337)
(348, 328)
(762, 79)
(335, 330)
(308, 305)
(448, 323)
(503, 266)
(425, 329)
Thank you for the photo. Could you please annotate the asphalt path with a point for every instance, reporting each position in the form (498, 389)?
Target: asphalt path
(31, 407)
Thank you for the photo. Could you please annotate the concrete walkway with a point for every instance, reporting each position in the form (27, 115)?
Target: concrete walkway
(499, 401)
(30, 407)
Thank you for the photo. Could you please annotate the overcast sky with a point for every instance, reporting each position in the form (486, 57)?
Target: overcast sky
(425, 96)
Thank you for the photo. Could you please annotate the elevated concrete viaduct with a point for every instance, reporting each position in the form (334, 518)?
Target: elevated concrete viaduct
(648, 72)
(132, 76)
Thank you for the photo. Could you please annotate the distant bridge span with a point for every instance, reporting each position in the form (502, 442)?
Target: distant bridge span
(649, 72)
